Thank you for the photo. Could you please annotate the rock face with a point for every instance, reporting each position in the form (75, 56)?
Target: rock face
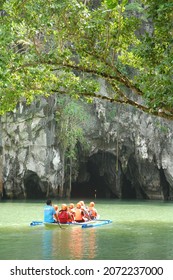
(130, 154)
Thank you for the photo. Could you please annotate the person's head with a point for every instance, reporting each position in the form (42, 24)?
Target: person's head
(56, 207)
(92, 204)
(78, 205)
(82, 203)
(64, 207)
(71, 206)
(49, 202)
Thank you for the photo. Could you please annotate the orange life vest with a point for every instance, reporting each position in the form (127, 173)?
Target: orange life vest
(92, 212)
(70, 217)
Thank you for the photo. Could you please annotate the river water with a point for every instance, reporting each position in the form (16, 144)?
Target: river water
(141, 230)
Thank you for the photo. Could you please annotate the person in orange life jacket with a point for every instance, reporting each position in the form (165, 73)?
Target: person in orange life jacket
(49, 212)
(79, 214)
(57, 211)
(92, 211)
(63, 215)
(71, 210)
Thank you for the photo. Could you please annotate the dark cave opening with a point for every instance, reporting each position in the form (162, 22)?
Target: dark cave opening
(82, 190)
(104, 181)
(99, 183)
(94, 188)
(128, 191)
(166, 188)
(97, 186)
(32, 185)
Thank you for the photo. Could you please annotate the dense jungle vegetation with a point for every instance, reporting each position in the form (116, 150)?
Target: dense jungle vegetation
(49, 46)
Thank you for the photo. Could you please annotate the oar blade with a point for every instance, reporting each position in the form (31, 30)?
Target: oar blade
(36, 223)
(100, 223)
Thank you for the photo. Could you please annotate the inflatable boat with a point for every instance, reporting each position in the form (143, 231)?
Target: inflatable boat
(88, 224)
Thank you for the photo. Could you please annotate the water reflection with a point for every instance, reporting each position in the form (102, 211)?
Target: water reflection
(77, 243)
(74, 243)
(47, 244)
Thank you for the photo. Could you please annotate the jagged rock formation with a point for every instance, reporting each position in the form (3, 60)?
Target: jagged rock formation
(130, 154)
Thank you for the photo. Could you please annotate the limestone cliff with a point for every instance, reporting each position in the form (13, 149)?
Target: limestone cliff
(130, 154)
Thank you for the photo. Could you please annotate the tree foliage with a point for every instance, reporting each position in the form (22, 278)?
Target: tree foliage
(65, 46)
(72, 119)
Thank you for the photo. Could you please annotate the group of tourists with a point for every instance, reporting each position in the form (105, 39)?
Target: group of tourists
(69, 213)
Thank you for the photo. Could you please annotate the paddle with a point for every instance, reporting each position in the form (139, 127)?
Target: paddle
(36, 223)
(102, 222)
(59, 225)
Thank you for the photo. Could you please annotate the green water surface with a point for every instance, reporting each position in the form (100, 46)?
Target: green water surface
(141, 230)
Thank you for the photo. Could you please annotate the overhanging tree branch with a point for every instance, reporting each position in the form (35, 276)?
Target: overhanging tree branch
(125, 101)
(120, 97)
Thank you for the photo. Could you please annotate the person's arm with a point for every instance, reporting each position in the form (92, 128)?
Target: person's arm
(96, 213)
(82, 212)
(69, 215)
(55, 215)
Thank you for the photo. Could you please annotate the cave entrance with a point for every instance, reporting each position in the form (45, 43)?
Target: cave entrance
(32, 185)
(101, 178)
